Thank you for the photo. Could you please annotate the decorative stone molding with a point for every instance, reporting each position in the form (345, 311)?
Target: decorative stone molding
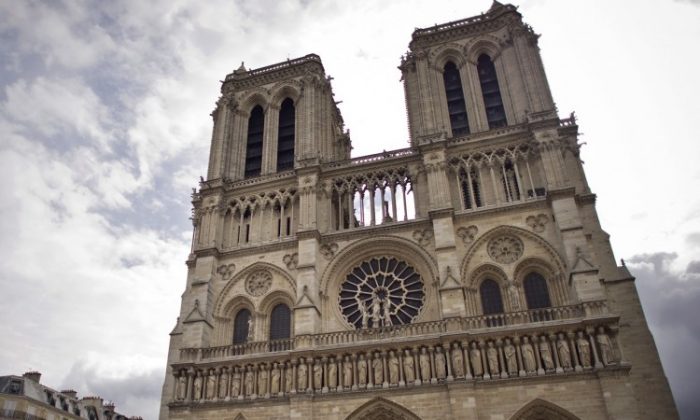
(423, 237)
(467, 234)
(226, 271)
(291, 260)
(537, 223)
(505, 249)
(258, 282)
(329, 250)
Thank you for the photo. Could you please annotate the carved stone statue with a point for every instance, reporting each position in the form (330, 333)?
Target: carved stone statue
(181, 386)
(302, 375)
(288, 378)
(262, 380)
(408, 367)
(378, 369)
(514, 296)
(457, 361)
(211, 385)
(424, 362)
(347, 372)
(564, 352)
(376, 311)
(364, 313)
(440, 366)
(362, 371)
(332, 374)
(386, 317)
(197, 387)
(236, 383)
(606, 351)
(251, 328)
(223, 385)
(546, 354)
(248, 388)
(492, 357)
(275, 380)
(584, 350)
(475, 358)
(528, 356)
(511, 357)
(318, 374)
(393, 363)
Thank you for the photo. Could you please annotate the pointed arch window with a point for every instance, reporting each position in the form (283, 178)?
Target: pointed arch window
(536, 291)
(285, 136)
(240, 326)
(491, 300)
(495, 113)
(254, 143)
(280, 322)
(456, 106)
(471, 192)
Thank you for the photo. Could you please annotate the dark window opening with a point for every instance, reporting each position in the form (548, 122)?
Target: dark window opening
(495, 113)
(470, 192)
(456, 106)
(289, 226)
(491, 300)
(285, 137)
(254, 145)
(280, 322)
(511, 186)
(240, 327)
(536, 291)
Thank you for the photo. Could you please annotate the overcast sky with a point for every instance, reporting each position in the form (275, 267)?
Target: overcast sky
(105, 127)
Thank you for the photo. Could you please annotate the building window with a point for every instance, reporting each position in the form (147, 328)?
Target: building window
(491, 301)
(240, 326)
(280, 322)
(536, 292)
(471, 193)
(285, 136)
(455, 100)
(254, 144)
(509, 179)
(495, 114)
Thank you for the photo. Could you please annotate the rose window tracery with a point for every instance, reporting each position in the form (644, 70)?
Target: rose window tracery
(505, 249)
(381, 292)
(258, 283)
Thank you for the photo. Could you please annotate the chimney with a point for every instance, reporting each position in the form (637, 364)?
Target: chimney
(33, 376)
(69, 393)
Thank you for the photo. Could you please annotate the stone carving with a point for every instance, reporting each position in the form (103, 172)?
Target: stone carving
(528, 356)
(393, 363)
(197, 386)
(505, 249)
(291, 261)
(492, 357)
(302, 375)
(347, 372)
(378, 368)
(584, 350)
(211, 385)
(181, 387)
(226, 271)
(440, 366)
(468, 234)
(606, 353)
(258, 283)
(362, 371)
(424, 362)
(564, 352)
(318, 374)
(364, 314)
(546, 354)
(251, 328)
(248, 386)
(223, 384)
(236, 383)
(288, 378)
(329, 250)
(275, 380)
(423, 237)
(457, 361)
(537, 223)
(475, 358)
(408, 367)
(511, 357)
(332, 374)
(262, 381)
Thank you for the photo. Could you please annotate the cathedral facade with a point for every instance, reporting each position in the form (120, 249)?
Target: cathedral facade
(464, 277)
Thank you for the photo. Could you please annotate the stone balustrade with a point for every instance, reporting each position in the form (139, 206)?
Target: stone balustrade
(541, 349)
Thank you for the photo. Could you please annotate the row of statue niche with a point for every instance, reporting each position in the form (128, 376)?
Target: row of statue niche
(509, 357)
(380, 315)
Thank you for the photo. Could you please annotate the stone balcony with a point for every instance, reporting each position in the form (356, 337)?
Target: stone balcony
(567, 340)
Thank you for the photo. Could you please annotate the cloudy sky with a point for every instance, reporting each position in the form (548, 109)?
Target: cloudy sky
(104, 129)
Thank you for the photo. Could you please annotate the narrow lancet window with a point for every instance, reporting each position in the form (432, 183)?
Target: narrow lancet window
(254, 144)
(456, 106)
(536, 291)
(491, 300)
(240, 326)
(495, 114)
(285, 137)
(280, 322)
(471, 193)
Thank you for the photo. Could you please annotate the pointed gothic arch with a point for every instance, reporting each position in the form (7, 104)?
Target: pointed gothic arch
(381, 409)
(539, 409)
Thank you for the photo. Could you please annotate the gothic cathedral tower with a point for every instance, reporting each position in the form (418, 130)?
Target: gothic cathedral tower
(464, 277)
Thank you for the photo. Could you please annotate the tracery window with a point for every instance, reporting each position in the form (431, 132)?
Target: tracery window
(491, 300)
(280, 322)
(509, 179)
(456, 106)
(254, 143)
(285, 136)
(495, 114)
(381, 292)
(471, 192)
(536, 291)
(240, 326)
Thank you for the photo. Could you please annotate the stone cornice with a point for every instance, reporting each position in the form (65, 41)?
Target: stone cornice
(242, 79)
(529, 204)
(363, 231)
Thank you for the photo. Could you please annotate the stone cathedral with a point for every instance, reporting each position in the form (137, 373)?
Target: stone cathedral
(464, 277)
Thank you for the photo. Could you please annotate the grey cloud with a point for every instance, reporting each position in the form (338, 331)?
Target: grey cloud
(670, 300)
(693, 239)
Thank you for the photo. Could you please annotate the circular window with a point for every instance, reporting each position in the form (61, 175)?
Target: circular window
(381, 292)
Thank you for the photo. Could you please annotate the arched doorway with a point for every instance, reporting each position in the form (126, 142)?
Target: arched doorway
(540, 409)
(381, 409)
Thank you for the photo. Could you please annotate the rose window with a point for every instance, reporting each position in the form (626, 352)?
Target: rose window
(381, 292)
(505, 249)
